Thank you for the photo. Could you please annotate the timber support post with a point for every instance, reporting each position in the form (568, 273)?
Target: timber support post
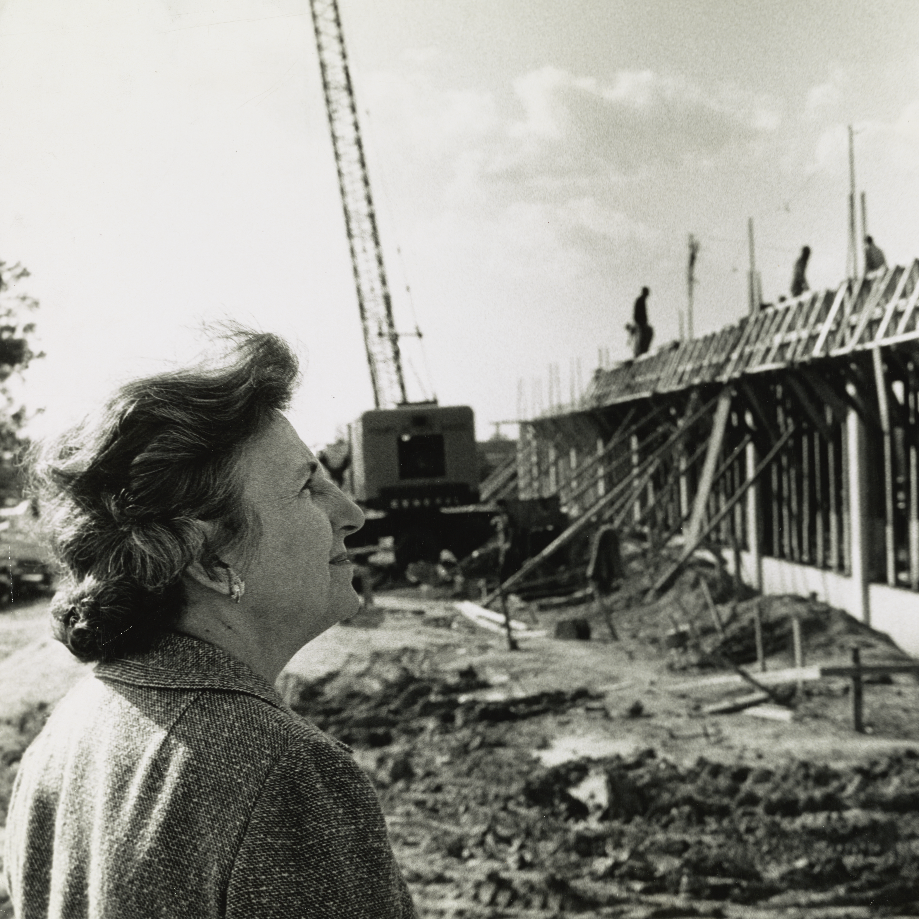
(856, 463)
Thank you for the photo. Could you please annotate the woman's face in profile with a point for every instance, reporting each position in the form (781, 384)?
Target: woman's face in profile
(298, 580)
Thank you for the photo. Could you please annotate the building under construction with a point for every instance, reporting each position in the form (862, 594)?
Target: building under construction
(787, 443)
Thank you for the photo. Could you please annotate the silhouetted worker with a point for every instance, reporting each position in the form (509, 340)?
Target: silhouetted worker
(798, 278)
(874, 257)
(640, 330)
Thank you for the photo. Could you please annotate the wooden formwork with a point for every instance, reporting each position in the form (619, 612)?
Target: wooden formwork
(785, 382)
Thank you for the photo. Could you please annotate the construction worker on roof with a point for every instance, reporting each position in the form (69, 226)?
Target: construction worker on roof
(874, 257)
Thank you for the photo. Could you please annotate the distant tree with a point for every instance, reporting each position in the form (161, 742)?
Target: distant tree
(17, 344)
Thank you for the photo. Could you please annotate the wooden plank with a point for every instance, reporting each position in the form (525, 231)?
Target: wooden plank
(759, 339)
(731, 706)
(907, 337)
(770, 355)
(775, 508)
(675, 474)
(913, 466)
(797, 674)
(766, 337)
(811, 327)
(857, 693)
(689, 548)
(851, 313)
(788, 520)
(758, 636)
(770, 678)
(820, 501)
(686, 371)
(771, 712)
(879, 289)
(748, 324)
(798, 330)
(500, 629)
(908, 310)
(855, 396)
(715, 441)
(880, 379)
(892, 304)
(473, 610)
(833, 317)
(845, 523)
(804, 329)
(725, 347)
(835, 511)
(888, 669)
(671, 369)
(807, 477)
(897, 365)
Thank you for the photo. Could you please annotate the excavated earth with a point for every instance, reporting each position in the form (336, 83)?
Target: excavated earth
(487, 822)
(591, 778)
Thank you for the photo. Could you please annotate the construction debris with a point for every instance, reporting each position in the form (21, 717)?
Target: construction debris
(482, 830)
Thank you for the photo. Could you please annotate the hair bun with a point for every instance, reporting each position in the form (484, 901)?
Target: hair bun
(89, 617)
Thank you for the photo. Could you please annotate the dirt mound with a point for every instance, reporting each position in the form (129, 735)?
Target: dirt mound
(708, 617)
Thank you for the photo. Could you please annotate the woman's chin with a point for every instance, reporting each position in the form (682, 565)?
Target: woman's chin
(349, 607)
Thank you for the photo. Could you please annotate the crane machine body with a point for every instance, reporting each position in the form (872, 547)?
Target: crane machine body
(413, 466)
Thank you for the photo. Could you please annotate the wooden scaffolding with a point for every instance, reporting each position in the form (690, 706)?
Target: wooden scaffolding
(673, 443)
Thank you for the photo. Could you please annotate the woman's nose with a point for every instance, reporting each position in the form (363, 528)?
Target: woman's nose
(349, 518)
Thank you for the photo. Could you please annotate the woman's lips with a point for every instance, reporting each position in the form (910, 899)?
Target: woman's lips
(343, 558)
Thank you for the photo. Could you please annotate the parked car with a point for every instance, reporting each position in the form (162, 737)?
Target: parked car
(25, 565)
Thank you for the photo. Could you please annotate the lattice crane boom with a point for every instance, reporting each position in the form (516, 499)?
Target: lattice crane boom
(380, 337)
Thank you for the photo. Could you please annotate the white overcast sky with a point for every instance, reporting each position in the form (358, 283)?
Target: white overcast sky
(534, 163)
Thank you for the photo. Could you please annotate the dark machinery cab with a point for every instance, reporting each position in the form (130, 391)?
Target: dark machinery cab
(420, 456)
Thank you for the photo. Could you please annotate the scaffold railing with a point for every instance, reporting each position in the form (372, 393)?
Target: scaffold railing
(877, 310)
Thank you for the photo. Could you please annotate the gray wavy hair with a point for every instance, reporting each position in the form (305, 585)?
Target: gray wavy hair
(121, 494)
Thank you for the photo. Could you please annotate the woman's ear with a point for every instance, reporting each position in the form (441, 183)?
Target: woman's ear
(212, 572)
(217, 579)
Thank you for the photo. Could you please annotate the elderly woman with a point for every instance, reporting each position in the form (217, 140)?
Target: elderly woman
(202, 546)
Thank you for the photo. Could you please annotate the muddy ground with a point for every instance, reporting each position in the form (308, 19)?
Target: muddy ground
(585, 777)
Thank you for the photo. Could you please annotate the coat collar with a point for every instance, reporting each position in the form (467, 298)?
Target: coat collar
(180, 662)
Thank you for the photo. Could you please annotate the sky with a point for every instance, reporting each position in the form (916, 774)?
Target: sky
(167, 163)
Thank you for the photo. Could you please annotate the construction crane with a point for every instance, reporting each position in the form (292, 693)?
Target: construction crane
(407, 464)
(380, 337)
(413, 467)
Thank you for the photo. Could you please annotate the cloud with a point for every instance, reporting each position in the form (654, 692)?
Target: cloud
(562, 163)
(639, 119)
(827, 96)
(891, 143)
(558, 127)
(831, 151)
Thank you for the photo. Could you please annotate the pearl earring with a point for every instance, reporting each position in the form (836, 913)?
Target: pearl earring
(237, 586)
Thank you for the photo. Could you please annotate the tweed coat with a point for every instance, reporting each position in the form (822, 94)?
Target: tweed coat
(178, 784)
